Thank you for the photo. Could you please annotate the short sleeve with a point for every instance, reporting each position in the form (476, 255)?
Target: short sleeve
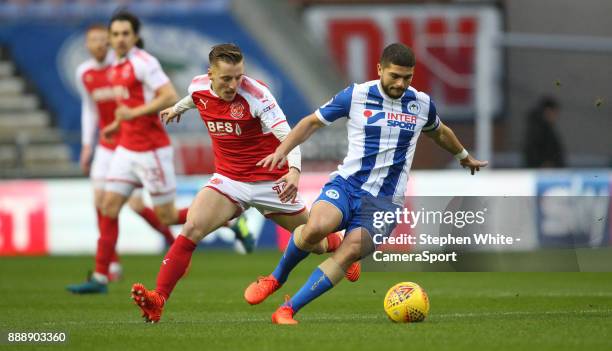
(339, 106)
(151, 73)
(433, 120)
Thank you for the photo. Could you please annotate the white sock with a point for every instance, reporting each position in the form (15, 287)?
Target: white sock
(114, 268)
(100, 278)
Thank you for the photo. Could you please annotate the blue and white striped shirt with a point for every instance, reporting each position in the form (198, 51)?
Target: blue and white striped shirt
(382, 134)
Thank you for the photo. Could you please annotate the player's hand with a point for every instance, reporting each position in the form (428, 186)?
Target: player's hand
(277, 159)
(473, 164)
(168, 115)
(123, 113)
(85, 158)
(108, 131)
(291, 181)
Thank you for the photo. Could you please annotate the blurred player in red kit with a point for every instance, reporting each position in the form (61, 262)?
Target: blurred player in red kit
(143, 155)
(97, 111)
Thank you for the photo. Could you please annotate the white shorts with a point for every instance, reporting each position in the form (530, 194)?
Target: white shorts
(100, 165)
(261, 195)
(153, 170)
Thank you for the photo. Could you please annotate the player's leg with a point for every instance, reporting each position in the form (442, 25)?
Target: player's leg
(156, 172)
(137, 205)
(326, 217)
(306, 238)
(99, 169)
(292, 221)
(169, 214)
(115, 271)
(329, 273)
(209, 211)
(119, 182)
(109, 232)
(105, 249)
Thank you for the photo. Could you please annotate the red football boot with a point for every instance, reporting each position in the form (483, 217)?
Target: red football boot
(151, 303)
(284, 315)
(258, 291)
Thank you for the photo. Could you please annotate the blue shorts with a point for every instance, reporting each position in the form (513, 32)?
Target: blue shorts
(356, 205)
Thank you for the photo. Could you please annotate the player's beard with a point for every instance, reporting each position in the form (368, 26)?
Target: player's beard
(392, 93)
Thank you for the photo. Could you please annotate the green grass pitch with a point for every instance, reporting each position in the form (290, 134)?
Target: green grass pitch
(469, 311)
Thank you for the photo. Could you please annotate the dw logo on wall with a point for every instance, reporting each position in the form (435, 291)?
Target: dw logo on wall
(453, 45)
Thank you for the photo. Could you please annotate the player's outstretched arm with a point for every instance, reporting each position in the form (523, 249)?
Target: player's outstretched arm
(307, 126)
(446, 139)
(174, 112)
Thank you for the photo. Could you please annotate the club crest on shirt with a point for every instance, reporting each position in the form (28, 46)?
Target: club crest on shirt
(413, 107)
(236, 110)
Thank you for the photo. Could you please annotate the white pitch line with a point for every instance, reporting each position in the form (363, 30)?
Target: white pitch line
(520, 313)
(521, 294)
(351, 317)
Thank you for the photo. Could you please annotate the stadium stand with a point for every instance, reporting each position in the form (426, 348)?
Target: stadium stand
(29, 144)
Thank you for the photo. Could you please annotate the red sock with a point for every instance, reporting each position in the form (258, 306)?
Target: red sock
(333, 242)
(149, 215)
(114, 257)
(174, 265)
(109, 231)
(182, 217)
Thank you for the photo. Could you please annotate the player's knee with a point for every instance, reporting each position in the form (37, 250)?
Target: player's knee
(110, 207)
(313, 232)
(136, 204)
(193, 231)
(306, 238)
(99, 204)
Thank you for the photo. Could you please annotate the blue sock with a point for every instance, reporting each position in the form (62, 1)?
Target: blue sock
(317, 284)
(292, 256)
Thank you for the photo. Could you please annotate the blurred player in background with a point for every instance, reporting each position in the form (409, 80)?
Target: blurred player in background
(245, 124)
(385, 118)
(97, 111)
(143, 156)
